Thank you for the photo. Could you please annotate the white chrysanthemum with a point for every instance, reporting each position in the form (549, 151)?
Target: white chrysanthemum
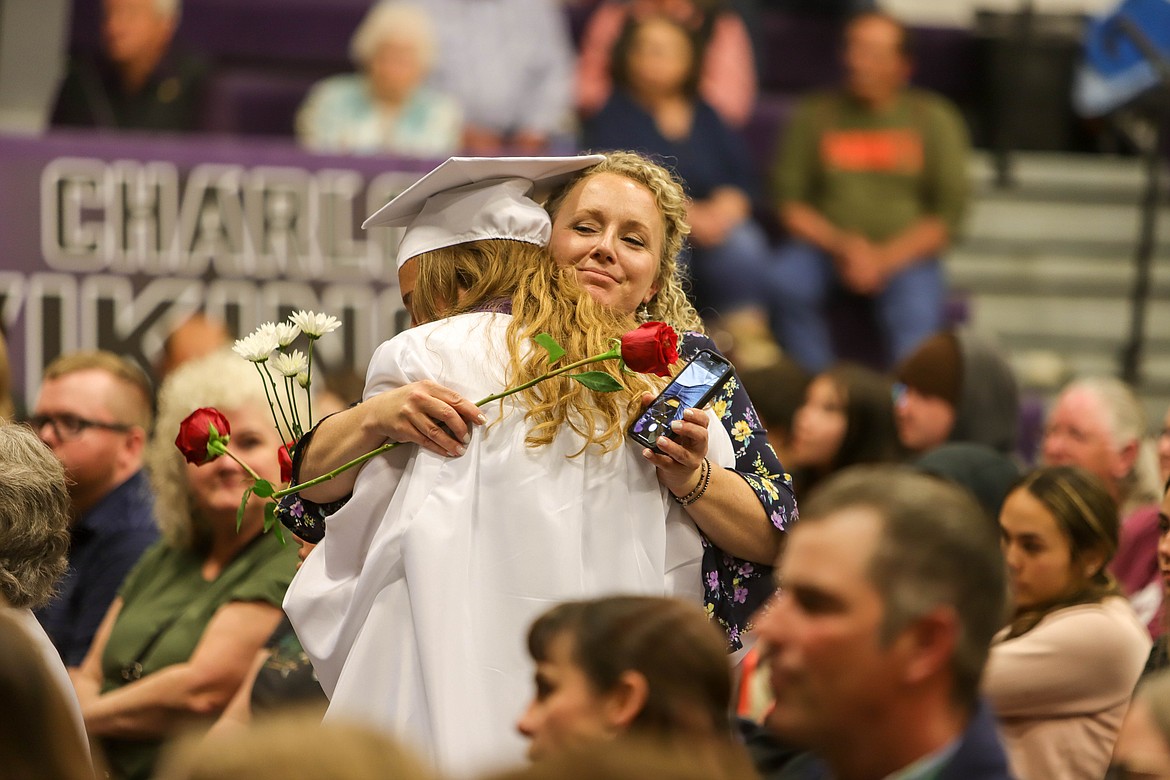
(286, 333)
(290, 364)
(314, 324)
(303, 380)
(257, 347)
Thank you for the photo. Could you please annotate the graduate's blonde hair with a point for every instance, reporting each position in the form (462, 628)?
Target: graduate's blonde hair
(544, 299)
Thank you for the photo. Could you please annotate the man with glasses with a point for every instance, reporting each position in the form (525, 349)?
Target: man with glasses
(94, 410)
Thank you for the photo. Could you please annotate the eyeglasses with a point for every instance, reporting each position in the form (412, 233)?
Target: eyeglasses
(70, 426)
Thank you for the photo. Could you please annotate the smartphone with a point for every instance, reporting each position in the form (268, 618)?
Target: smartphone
(694, 387)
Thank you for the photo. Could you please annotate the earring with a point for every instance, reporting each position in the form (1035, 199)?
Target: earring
(642, 313)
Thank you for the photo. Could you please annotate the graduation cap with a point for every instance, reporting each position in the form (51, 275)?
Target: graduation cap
(474, 198)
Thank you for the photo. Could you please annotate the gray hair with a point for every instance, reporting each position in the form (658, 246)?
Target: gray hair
(397, 20)
(1126, 419)
(34, 518)
(222, 380)
(936, 549)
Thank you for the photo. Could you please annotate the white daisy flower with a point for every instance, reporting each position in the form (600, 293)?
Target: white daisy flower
(314, 324)
(303, 380)
(257, 347)
(290, 364)
(286, 333)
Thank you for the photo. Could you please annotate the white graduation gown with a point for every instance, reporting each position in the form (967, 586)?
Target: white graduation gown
(415, 607)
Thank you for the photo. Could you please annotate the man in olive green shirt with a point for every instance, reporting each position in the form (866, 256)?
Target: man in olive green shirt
(871, 184)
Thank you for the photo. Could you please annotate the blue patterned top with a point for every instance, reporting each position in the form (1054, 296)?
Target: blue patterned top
(732, 588)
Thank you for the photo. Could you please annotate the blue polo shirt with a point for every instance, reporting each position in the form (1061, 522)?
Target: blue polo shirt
(106, 543)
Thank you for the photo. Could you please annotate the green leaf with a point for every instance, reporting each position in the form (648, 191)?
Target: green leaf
(555, 351)
(263, 488)
(240, 511)
(598, 380)
(269, 516)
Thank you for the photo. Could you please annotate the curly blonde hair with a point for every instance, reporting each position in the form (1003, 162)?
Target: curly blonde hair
(670, 303)
(34, 519)
(544, 299)
(222, 380)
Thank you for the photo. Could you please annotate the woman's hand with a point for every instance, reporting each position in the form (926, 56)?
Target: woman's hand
(680, 461)
(425, 413)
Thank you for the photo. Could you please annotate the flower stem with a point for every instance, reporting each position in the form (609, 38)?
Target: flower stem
(309, 383)
(613, 353)
(271, 406)
(243, 465)
(276, 394)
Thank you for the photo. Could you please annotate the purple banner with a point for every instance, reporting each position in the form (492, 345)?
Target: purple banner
(110, 242)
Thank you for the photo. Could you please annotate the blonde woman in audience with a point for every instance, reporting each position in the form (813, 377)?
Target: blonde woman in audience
(39, 740)
(196, 609)
(293, 746)
(385, 108)
(1061, 673)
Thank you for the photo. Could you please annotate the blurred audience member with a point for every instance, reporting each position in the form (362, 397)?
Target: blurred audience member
(956, 386)
(645, 667)
(871, 183)
(1061, 673)
(989, 475)
(725, 71)
(94, 411)
(192, 615)
(656, 110)
(1099, 424)
(632, 759)
(199, 335)
(138, 82)
(292, 746)
(34, 540)
(847, 418)
(1160, 653)
(778, 391)
(893, 585)
(509, 65)
(385, 108)
(341, 390)
(1142, 751)
(39, 739)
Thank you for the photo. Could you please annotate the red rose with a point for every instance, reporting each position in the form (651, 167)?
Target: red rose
(285, 461)
(650, 349)
(203, 435)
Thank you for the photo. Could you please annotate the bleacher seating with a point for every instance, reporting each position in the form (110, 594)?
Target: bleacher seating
(267, 53)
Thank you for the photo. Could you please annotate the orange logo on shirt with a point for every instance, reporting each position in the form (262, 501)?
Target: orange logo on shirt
(876, 151)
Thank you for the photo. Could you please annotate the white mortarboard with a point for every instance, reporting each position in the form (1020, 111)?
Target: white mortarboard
(472, 198)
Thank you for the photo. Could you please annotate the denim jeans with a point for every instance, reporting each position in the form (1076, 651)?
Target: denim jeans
(802, 278)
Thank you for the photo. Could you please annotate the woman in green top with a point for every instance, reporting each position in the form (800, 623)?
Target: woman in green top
(197, 607)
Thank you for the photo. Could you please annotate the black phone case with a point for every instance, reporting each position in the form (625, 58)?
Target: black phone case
(728, 370)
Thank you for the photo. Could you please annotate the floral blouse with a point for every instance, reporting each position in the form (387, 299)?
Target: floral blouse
(732, 588)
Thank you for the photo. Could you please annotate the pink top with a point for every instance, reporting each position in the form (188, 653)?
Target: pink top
(727, 83)
(1061, 690)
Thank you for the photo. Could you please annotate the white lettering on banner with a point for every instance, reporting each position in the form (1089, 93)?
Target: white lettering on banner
(266, 222)
(62, 313)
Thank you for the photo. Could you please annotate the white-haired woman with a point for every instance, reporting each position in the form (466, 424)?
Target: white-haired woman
(385, 107)
(192, 614)
(34, 543)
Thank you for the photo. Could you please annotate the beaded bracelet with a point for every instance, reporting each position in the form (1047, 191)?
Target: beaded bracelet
(700, 488)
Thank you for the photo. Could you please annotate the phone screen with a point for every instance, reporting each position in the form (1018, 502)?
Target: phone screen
(688, 390)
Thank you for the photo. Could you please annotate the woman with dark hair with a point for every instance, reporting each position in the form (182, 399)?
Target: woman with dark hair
(847, 418)
(657, 111)
(1061, 674)
(646, 667)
